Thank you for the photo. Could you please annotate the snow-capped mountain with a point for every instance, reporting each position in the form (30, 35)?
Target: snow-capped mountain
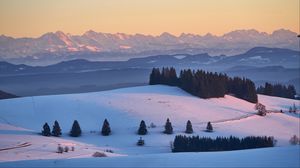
(60, 44)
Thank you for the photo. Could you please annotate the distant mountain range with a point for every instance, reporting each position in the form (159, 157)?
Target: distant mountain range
(260, 64)
(59, 46)
(257, 57)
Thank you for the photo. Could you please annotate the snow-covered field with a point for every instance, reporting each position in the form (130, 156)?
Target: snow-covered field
(21, 120)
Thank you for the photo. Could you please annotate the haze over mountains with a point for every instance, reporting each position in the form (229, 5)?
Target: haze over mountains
(59, 46)
(260, 64)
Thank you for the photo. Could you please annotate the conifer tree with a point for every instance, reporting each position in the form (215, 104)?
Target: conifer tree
(189, 127)
(168, 127)
(105, 128)
(294, 108)
(46, 130)
(290, 109)
(209, 127)
(141, 142)
(76, 130)
(143, 128)
(155, 77)
(56, 131)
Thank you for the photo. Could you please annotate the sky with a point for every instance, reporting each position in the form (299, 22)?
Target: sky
(32, 18)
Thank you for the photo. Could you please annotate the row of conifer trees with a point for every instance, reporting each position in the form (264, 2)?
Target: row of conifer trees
(184, 143)
(75, 130)
(205, 84)
(169, 128)
(106, 130)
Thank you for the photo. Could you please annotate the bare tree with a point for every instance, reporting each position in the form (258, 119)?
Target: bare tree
(261, 109)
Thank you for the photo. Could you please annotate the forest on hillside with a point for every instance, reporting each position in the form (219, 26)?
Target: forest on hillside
(278, 90)
(205, 84)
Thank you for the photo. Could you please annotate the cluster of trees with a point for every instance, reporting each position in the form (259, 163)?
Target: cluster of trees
(200, 144)
(278, 90)
(205, 84)
(75, 130)
(56, 130)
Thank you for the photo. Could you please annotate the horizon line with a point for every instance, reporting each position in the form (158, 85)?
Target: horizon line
(153, 35)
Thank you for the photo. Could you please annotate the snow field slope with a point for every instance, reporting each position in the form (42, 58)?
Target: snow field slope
(125, 108)
(267, 157)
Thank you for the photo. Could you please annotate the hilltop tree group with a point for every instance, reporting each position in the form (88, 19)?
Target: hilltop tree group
(205, 84)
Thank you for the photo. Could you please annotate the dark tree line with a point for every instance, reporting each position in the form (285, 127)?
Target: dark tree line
(278, 90)
(197, 144)
(205, 84)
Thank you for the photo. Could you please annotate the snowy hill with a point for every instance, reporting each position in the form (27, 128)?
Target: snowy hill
(22, 118)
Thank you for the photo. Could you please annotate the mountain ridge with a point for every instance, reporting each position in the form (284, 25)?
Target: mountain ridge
(61, 46)
(256, 57)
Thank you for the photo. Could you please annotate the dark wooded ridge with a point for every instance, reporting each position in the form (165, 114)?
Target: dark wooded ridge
(205, 84)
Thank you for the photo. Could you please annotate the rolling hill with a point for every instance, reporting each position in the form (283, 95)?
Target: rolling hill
(22, 118)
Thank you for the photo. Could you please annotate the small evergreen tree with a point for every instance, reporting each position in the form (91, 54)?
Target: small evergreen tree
(56, 131)
(189, 127)
(140, 142)
(168, 127)
(76, 130)
(105, 128)
(290, 109)
(294, 108)
(143, 128)
(209, 127)
(46, 130)
(295, 140)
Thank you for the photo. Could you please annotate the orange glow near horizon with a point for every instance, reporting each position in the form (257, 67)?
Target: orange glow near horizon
(32, 18)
